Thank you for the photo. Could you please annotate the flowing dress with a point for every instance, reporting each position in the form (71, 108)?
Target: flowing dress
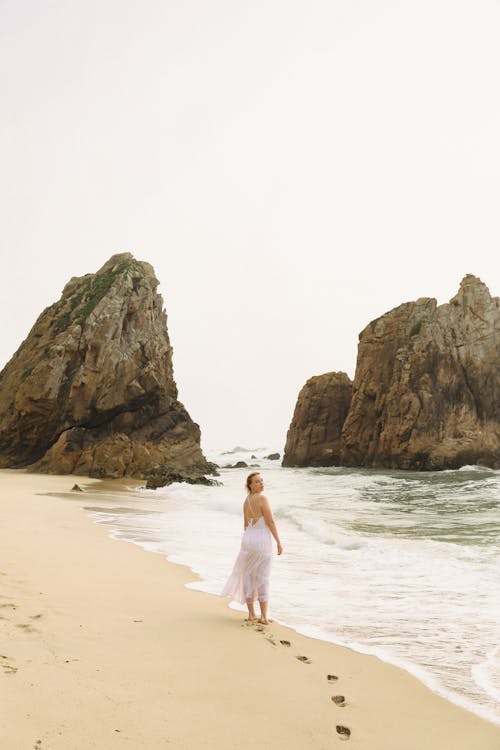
(251, 572)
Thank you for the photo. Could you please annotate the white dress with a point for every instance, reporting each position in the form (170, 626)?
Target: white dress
(251, 572)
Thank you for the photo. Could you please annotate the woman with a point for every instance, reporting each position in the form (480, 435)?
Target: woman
(250, 577)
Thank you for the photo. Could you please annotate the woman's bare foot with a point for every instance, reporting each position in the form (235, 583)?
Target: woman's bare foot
(250, 619)
(265, 621)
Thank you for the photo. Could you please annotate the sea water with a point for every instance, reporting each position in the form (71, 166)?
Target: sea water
(402, 565)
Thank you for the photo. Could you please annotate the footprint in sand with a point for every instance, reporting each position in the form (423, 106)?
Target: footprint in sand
(8, 604)
(26, 627)
(285, 643)
(272, 641)
(7, 668)
(331, 677)
(339, 700)
(304, 659)
(343, 732)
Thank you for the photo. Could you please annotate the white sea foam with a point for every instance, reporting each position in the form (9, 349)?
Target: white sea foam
(404, 566)
(486, 674)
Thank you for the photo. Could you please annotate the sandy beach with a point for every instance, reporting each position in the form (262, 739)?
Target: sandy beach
(102, 646)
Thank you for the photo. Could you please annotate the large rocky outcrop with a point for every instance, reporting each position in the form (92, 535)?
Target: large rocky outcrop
(426, 392)
(313, 438)
(91, 389)
(427, 385)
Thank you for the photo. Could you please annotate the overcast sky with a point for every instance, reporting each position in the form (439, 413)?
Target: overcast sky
(292, 170)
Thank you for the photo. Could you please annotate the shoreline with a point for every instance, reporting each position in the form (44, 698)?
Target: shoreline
(424, 678)
(112, 661)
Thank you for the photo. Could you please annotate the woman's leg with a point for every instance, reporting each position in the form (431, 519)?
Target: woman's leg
(263, 613)
(263, 589)
(251, 611)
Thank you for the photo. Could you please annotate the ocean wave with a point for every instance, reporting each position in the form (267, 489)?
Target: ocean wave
(321, 531)
(472, 467)
(487, 674)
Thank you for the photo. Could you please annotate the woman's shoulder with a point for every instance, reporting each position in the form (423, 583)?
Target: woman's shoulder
(256, 499)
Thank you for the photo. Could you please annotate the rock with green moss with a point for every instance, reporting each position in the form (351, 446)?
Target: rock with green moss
(91, 390)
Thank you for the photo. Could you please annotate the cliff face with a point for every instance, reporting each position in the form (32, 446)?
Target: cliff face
(426, 393)
(313, 438)
(427, 385)
(91, 389)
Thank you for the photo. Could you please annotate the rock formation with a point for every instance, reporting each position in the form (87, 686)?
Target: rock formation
(313, 438)
(426, 393)
(427, 385)
(91, 389)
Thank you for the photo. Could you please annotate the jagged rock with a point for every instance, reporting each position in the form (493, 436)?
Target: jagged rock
(213, 469)
(163, 479)
(91, 389)
(76, 488)
(237, 465)
(313, 438)
(427, 385)
(273, 456)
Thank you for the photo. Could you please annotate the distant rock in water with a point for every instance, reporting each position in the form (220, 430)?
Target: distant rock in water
(166, 478)
(427, 385)
(313, 438)
(273, 456)
(91, 389)
(237, 465)
(238, 449)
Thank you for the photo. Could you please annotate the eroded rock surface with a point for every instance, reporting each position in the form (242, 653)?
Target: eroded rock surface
(427, 385)
(91, 389)
(313, 438)
(426, 394)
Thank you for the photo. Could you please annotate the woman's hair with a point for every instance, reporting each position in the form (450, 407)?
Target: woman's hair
(250, 477)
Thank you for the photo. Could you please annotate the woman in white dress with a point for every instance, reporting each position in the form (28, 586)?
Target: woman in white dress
(249, 580)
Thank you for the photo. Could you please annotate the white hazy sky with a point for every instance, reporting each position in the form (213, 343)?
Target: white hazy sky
(292, 169)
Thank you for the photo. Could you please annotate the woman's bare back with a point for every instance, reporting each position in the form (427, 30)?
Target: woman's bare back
(253, 510)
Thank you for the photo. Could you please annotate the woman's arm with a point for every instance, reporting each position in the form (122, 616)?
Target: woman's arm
(245, 517)
(268, 518)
